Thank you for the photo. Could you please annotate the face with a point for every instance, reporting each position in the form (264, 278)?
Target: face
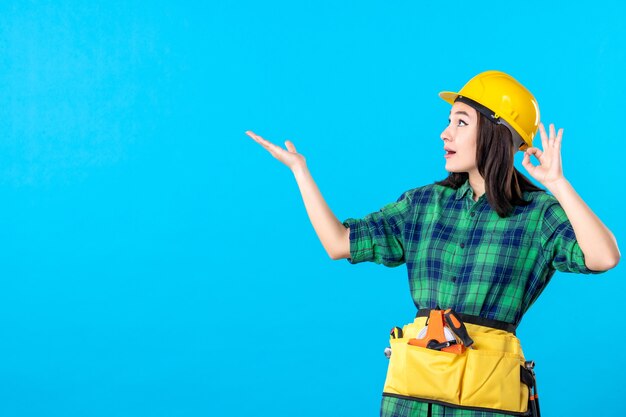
(459, 139)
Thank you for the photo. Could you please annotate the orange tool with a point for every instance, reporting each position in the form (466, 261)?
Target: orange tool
(435, 337)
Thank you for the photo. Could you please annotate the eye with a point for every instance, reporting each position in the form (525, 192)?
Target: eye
(462, 123)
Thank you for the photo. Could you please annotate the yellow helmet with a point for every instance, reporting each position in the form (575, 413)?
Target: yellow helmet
(504, 100)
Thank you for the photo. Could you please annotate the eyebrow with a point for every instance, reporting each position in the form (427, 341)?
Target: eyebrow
(459, 112)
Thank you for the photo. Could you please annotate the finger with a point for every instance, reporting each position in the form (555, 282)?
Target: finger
(544, 136)
(290, 146)
(255, 136)
(559, 138)
(252, 135)
(265, 143)
(552, 134)
(534, 151)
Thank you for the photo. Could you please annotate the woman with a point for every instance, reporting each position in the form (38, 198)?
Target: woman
(483, 242)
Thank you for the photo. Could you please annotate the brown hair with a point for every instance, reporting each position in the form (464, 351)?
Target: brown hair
(495, 153)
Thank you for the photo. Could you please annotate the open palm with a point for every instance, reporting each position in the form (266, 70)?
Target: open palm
(289, 157)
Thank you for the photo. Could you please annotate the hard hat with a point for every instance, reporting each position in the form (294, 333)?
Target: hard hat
(503, 100)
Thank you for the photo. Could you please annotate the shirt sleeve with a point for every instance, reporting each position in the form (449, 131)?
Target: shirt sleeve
(378, 236)
(559, 242)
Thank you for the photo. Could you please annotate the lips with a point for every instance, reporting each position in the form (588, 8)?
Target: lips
(449, 152)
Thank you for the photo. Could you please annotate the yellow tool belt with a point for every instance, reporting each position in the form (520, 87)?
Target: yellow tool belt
(486, 376)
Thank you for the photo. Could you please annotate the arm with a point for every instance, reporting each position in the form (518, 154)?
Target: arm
(334, 236)
(595, 240)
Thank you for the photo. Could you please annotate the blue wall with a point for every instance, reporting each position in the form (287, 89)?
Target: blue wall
(155, 261)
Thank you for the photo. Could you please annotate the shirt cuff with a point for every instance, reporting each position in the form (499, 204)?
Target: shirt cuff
(361, 247)
(578, 258)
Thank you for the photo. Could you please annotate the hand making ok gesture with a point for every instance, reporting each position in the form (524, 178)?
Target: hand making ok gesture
(550, 170)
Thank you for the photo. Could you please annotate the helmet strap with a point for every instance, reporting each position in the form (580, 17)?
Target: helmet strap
(491, 116)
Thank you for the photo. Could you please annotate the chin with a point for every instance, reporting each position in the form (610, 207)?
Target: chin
(456, 169)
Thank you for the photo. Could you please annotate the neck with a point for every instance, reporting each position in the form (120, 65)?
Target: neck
(477, 183)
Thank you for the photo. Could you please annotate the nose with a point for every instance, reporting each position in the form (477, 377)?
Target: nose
(445, 135)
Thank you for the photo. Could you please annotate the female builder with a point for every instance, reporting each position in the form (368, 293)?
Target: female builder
(483, 242)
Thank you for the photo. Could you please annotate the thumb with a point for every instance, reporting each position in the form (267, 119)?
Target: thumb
(290, 146)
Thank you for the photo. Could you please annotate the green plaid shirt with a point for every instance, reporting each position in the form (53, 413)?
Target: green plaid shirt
(460, 254)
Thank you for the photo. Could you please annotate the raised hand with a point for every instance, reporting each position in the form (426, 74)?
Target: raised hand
(550, 170)
(289, 157)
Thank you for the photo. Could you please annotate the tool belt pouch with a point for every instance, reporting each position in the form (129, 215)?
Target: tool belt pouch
(484, 377)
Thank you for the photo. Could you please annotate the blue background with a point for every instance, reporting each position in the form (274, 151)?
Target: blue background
(155, 261)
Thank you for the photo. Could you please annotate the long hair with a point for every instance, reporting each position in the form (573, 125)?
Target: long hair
(495, 153)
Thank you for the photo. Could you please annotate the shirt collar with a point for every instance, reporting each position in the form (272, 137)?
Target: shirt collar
(463, 190)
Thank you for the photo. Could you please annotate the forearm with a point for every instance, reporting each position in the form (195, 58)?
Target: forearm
(595, 239)
(335, 237)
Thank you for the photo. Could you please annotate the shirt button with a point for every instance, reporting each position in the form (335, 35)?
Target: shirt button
(472, 214)
(462, 245)
(453, 279)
